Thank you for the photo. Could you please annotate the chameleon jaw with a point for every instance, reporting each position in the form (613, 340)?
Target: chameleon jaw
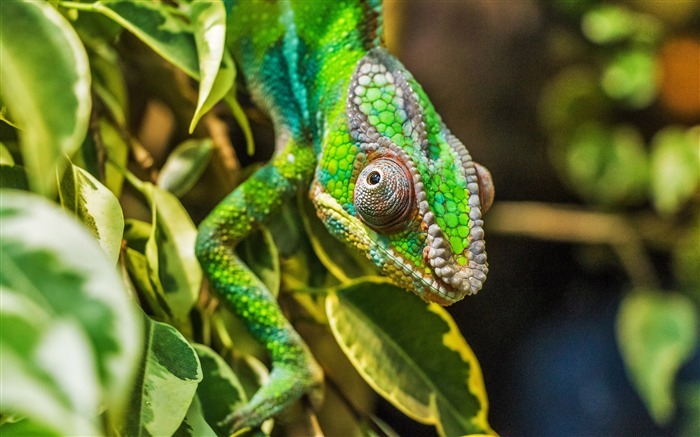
(452, 281)
(436, 286)
(461, 280)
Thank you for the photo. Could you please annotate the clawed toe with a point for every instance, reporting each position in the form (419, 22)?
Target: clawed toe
(285, 386)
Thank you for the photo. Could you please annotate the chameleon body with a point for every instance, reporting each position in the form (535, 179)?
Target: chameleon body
(356, 131)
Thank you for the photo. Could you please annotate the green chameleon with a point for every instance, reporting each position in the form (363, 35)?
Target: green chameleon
(385, 175)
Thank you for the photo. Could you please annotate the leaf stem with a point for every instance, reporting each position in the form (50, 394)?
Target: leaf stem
(77, 5)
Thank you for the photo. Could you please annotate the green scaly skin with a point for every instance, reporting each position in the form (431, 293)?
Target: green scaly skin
(389, 179)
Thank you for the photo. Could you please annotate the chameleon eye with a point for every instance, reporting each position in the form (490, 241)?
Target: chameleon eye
(383, 195)
(374, 178)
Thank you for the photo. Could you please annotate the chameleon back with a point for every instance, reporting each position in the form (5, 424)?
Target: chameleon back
(297, 57)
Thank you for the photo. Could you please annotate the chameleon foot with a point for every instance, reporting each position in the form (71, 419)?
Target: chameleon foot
(288, 382)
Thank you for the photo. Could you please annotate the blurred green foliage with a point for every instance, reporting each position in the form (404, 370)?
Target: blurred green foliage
(619, 118)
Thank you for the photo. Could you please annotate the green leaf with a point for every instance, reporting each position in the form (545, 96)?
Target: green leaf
(172, 263)
(112, 92)
(220, 393)
(630, 77)
(250, 372)
(656, 333)
(150, 293)
(136, 234)
(5, 156)
(166, 385)
(26, 427)
(13, 176)
(95, 30)
(607, 165)
(194, 424)
(71, 336)
(217, 70)
(103, 154)
(675, 167)
(117, 151)
(95, 206)
(5, 118)
(242, 120)
(170, 251)
(37, 44)
(572, 98)
(609, 24)
(107, 78)
(162, 28)
(412, 354)
(63, 393)
(185, 165)
(147, 284)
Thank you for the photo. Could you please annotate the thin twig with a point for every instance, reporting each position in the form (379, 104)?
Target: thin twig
(218, 131)
(312, 420)
(572, 224)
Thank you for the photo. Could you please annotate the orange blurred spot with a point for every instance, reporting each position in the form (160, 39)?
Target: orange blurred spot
(679, 61)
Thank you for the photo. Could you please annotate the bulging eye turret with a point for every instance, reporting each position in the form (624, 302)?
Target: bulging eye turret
(384, 196)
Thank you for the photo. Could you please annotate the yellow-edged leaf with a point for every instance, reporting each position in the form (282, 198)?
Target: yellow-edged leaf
(412, 354)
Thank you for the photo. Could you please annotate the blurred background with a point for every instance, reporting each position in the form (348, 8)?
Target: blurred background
(586, 113)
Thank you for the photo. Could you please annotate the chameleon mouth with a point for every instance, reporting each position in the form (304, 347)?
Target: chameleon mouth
(446, 283)
(453, 282)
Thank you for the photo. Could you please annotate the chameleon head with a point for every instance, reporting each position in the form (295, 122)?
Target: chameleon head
(393, 182)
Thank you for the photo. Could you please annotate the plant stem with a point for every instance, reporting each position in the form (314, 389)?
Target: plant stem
(572, 224)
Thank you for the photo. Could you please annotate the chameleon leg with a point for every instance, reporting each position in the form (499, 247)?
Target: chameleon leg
(294, 370)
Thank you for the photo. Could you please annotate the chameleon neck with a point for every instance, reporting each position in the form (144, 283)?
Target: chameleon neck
(297, 57)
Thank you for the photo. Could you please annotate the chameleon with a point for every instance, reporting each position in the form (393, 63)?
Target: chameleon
(356, 131)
